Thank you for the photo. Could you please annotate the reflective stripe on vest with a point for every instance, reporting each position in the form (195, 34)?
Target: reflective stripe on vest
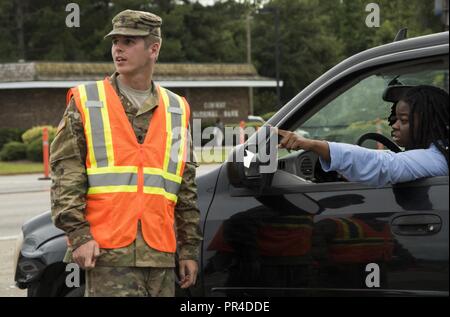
(103, 176)
(357, 242)
(176, 135)
(350, 229)
(352, 233)
(112, 179)
(156, 181)
(99, 139)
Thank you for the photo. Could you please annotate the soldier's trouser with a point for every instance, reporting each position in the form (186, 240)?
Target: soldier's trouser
(130, 281)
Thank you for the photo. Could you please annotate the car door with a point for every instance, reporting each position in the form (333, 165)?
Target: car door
(314, 233)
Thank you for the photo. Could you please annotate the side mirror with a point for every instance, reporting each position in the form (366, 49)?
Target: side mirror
(253, 163)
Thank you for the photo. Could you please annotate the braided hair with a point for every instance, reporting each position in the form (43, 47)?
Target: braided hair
(432, 106)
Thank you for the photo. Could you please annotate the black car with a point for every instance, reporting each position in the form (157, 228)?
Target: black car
(300, 231)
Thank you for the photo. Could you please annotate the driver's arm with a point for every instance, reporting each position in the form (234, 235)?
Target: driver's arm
(372, 167)
(293, 141)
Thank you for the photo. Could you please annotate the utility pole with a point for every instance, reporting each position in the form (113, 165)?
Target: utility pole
(249, 57)
(20, 31)
(249, 38)
(276, 11)
(277, 54)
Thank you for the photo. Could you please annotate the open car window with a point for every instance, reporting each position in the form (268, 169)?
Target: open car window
(359, 107)
(355, 109)
(358, 110)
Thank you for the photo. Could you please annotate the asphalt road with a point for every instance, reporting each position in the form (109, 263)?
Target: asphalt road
(21, 198)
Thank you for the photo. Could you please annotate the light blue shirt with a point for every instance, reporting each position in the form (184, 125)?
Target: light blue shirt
(378, 168)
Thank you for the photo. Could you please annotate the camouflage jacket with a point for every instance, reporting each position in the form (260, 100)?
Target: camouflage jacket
(69, 187)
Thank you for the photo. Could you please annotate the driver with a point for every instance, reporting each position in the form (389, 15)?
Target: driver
(420, 124)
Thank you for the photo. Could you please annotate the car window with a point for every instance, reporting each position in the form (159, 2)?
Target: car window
(360, 109)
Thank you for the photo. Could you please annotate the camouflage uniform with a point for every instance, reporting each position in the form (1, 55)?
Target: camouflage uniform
(121, 267)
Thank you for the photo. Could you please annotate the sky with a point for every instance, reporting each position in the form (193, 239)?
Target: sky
(206, 2)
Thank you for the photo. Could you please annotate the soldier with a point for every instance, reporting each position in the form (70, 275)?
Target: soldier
(123, 184)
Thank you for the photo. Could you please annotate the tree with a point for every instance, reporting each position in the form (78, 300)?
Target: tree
(8, 29)
(307, 48)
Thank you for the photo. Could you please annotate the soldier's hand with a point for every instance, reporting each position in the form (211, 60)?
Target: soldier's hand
(188, 273)
(86, 255)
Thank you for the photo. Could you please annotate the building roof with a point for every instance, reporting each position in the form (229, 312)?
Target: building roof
(63, 75)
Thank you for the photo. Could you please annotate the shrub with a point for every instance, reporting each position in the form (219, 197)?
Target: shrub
(13, 151)
(34, 151)
(33, 141)
(35, 133)
(268, 115)
(9, 134)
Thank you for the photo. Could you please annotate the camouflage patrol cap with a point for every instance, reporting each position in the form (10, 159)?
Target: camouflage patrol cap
(136, 23)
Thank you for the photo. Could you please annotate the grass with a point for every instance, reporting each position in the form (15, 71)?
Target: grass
(212, 156)
(20, 167)
(204, 156)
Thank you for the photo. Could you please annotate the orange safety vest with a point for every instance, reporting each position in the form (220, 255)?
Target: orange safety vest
(357, 242)
(288, 235)
(128, 181)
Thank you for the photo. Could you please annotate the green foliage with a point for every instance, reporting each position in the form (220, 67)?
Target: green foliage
(13, 151)
(268, 115)
(307, 47)
(11, 168)
(356, 129)
(265, 100)
(35, 134)
(34, 151)
(254, 124)
(33, 141)
(314, 35)
(347, 21)
(9, 134)
(9, 47)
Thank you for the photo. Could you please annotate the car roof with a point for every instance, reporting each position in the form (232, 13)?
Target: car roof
(399, 46)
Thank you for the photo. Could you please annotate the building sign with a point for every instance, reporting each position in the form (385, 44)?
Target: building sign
(231, 113)
(206, 114)
(215, 109)
(214, 105)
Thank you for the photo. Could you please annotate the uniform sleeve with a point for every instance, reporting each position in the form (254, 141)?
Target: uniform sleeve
(378, 168)
(69, 178)
(187, 214)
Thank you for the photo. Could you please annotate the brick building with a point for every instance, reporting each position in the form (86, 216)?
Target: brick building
(34, 93)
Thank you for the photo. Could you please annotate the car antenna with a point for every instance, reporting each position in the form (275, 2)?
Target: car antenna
(401, 34)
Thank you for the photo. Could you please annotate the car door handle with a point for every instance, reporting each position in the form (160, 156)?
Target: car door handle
(416, 225)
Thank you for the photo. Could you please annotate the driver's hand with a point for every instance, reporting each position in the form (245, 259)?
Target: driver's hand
(291, 140)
